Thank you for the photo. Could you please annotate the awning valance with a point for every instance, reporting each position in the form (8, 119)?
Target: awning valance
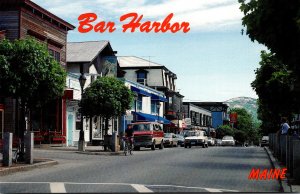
(151, 118)
(139, 91)
(158, 98)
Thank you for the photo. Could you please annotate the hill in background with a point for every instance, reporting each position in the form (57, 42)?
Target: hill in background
(250, 104)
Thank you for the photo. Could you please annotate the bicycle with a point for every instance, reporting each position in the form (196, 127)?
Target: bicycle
(17, 153)
(127, 148)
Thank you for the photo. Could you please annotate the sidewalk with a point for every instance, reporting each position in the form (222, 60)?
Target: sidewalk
(43, 162)
(285, 184)
(90, 150)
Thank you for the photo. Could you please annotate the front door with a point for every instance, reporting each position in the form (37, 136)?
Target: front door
(1, 122)
(70, 128)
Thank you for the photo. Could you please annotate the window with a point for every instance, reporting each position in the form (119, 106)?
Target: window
(55, 55)
(141, 77)
(139, 102)
(153, 107)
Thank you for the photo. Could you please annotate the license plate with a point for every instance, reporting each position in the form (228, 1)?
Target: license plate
(193, 143)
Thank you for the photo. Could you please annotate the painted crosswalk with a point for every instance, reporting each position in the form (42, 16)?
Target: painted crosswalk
(73, 187)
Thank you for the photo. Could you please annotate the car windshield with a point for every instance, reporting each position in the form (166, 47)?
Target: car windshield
(168, 135)
(141, 127)
(227, 138)
(190, 133)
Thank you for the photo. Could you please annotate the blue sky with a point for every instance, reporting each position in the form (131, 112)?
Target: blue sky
(213, 61)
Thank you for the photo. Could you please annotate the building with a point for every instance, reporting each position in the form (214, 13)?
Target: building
(148, 105)
(200, 118)
(158, 77)
(218, 111)
(94, 59)
(20, 19)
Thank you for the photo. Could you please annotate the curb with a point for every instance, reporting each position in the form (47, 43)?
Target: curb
(27, 167)
(100, 153)
(284, 187)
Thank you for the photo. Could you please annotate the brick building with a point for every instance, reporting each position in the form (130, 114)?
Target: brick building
(20, 19)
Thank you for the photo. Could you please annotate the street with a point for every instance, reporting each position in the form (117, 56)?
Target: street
(216, 169)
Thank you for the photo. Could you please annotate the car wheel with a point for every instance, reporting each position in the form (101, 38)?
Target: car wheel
(137, 148)
(161, 146)
(153, 146)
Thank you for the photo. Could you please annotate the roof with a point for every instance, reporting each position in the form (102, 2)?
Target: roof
(84, 51)
(33, 5)
(132, 61)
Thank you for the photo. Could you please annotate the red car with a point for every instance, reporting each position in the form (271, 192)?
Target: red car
(148, 134)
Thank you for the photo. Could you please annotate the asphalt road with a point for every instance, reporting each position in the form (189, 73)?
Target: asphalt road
(213, 169)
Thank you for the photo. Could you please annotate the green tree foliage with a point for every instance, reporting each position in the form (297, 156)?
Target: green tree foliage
(276, 24)
(245, 128)
(273, 86)
(29, 73)
(107, 97)
(224, 130)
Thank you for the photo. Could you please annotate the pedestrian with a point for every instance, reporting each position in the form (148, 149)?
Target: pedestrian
(284, 126)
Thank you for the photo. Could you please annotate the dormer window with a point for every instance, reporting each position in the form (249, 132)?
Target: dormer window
(141, 77)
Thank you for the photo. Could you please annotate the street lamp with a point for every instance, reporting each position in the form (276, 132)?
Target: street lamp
(178, 114)
(158, 105)
(136, 97)
(81, 146)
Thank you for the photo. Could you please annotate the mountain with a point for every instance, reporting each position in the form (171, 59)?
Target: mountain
(250, 104)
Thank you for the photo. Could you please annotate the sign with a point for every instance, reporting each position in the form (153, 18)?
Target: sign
(233, 117)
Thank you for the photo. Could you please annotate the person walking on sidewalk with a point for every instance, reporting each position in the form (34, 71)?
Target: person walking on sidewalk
(284, 126)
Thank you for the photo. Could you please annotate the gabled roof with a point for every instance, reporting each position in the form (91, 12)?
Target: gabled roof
(84, 51)
(132, 61)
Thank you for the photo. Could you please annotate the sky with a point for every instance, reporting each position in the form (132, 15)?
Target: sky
(213, 61)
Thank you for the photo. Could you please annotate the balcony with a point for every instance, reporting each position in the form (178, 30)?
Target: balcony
(142, 81)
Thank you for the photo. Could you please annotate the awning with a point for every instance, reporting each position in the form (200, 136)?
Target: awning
(139, 91)
(158, 98)
(151, 118)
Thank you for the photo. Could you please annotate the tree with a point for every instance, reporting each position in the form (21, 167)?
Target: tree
(107, 97)
(275, 24)
(224, 130)
(245, 126)
(272, 85)
(30, 75)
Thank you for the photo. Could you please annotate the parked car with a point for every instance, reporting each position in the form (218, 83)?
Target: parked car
(170, 139)
(211, 141)
(148, 134)
(180, 140)
(194, 138)
(228, 141)
(264, 141)
(218, 142)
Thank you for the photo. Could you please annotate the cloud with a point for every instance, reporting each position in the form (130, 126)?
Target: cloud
(202, 14)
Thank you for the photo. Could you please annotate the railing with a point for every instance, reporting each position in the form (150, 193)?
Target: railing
(287, 150)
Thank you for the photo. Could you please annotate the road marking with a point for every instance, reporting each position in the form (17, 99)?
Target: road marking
(57, 188)
(141, 188)
(213, 190)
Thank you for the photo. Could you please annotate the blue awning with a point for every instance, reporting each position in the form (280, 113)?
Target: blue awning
(158, 98)
(139, 91)
(151, 118)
